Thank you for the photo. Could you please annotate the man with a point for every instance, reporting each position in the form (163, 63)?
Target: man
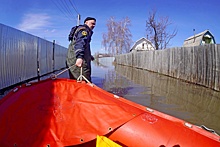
(79, 53)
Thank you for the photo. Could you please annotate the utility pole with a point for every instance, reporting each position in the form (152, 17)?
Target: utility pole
(78, 19)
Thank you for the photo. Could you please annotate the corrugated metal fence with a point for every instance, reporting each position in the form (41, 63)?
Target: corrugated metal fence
(199, 64)
(24, 56)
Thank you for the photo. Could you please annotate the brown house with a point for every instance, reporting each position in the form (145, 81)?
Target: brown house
(202, 38)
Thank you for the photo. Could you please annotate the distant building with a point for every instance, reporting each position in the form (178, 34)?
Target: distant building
(142, 44)
(202, 38)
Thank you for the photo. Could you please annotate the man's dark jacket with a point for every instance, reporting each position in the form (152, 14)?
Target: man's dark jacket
(79, 47)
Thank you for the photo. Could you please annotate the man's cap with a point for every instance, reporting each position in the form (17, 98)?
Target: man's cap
(89, 18)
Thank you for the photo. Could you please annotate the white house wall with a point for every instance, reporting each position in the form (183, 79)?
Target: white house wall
(140, 47)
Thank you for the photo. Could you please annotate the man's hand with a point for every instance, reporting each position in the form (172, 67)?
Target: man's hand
(79, 62)
(92, 58)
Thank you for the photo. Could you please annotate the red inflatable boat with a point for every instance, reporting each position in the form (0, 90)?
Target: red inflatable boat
(63, 112)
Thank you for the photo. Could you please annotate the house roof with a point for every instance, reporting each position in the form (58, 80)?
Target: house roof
(140, 41)
(197, 39)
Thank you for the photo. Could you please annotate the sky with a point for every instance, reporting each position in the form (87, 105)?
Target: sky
(53, 19)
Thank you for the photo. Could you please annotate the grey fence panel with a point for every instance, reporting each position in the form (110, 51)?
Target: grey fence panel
(165, 61)
(24, 56)
(49, 57)
(217, 68)
(151, 56)
(28, 53)
(210, 63)
(134, 59)
(3, 53)
(145, 60)
(42, 56)
(199, 64)
(194, 63)
(60, 57)
(172, 64)
(179, 62)
(18, 52)
(188, 63)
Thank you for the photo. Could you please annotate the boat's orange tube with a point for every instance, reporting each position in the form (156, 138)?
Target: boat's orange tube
(63, 112)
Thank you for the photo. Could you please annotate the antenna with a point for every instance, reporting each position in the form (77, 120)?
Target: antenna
(194, 35)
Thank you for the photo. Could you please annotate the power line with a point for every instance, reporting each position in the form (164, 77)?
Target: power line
(78, 15)
(61, 10)
(65, 9)
(74, 7)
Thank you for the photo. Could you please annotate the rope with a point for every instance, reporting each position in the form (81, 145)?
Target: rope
(64, 71)
(54, 76)
(79, 79)
(82, 77)
(209, 130)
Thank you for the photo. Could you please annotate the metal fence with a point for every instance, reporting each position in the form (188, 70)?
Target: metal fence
(24, 56)
(199, 64)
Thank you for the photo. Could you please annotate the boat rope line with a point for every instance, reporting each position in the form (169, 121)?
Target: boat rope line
(63, 71)
(79, 79)
(54, 76)
(209, 130)
(82, 77)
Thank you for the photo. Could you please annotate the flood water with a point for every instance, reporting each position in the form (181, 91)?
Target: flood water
(192, 103)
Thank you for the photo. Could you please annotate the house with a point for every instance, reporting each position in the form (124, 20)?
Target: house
(202, 38)
(142, 44)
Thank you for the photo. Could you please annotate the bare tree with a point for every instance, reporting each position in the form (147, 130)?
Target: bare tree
(157, 31)
(118, 39)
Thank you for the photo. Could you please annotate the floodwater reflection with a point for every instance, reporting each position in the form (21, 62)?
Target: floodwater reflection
(190, 102)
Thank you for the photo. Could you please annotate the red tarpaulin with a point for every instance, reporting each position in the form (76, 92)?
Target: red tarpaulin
(59, 112)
